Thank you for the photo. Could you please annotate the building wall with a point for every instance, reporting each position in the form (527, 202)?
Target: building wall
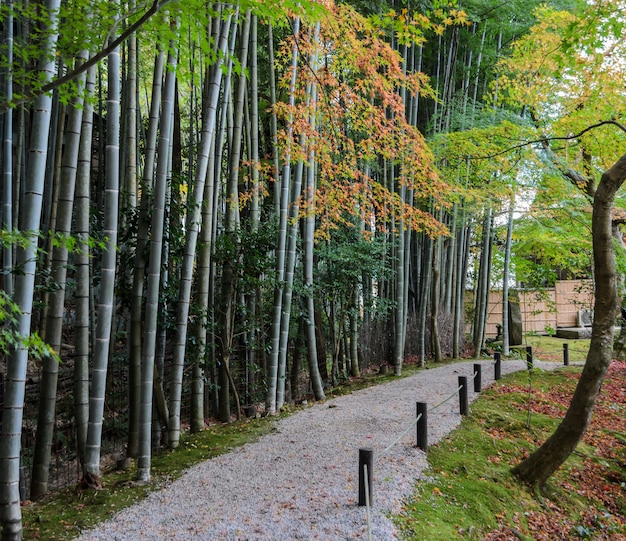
(550, 308)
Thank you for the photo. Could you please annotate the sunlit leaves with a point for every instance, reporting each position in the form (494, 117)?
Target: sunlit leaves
(572, 79)
(360, 122)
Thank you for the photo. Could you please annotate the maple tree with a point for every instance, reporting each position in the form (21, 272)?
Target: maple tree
(567, 80)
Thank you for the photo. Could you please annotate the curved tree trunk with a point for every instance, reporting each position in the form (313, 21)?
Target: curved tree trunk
(539, 466)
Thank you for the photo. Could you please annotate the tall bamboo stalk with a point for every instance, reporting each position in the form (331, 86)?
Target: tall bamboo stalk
(12, 413)
(154, 268)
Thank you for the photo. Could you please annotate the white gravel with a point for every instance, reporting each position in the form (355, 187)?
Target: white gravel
(301, 481)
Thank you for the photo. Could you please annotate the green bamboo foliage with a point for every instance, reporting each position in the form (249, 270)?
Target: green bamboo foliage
(10, 436)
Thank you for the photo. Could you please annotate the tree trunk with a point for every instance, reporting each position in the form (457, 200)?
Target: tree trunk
(434, 315)
(13, 410)
(137, 297)
(482, 288)
(274, 370)
(355, 369)
(130, 126)
(459, 291)
(425, 295)
(399, 294)
(7, 157)
(103, 334)
(227, 305)
(50, 366)
(322, 363)
(308, 241)
(539, 466)
(505, 280)
(154, 272)
(194, 218)
(83, 289)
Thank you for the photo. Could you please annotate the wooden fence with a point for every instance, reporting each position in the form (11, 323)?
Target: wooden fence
(545, 309)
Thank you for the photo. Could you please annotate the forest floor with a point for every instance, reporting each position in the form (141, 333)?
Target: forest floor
(471, 493)
(299, 481)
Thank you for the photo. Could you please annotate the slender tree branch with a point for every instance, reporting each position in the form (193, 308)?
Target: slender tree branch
(70, 75)
(545, 140)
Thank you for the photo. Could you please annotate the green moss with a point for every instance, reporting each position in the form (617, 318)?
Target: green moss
(66, 513)
(471, 490)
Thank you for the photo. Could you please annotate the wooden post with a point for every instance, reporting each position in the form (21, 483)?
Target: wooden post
(463, 399)
(497, 365)
(566, 354)
(422, 426)
(477, 378)
(366, 466)
(529, 357)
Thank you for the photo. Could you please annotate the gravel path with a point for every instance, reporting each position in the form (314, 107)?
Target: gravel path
(301, 481)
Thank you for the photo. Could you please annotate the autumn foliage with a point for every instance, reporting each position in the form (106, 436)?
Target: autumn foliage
(350, 114)
(593, 480)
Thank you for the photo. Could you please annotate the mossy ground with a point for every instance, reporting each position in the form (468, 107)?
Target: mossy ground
(64, 514)
(471, 493)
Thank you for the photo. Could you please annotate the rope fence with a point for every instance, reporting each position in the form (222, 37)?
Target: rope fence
(367, 457)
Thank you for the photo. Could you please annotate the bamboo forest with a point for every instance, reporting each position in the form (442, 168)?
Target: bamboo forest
(213, 210)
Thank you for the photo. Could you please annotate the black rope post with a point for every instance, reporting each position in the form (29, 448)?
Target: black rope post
(366, 466)
(565, 354)
(463, 399)
(422, 426)
(477, 378)
(497, 367)
(529, 357)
